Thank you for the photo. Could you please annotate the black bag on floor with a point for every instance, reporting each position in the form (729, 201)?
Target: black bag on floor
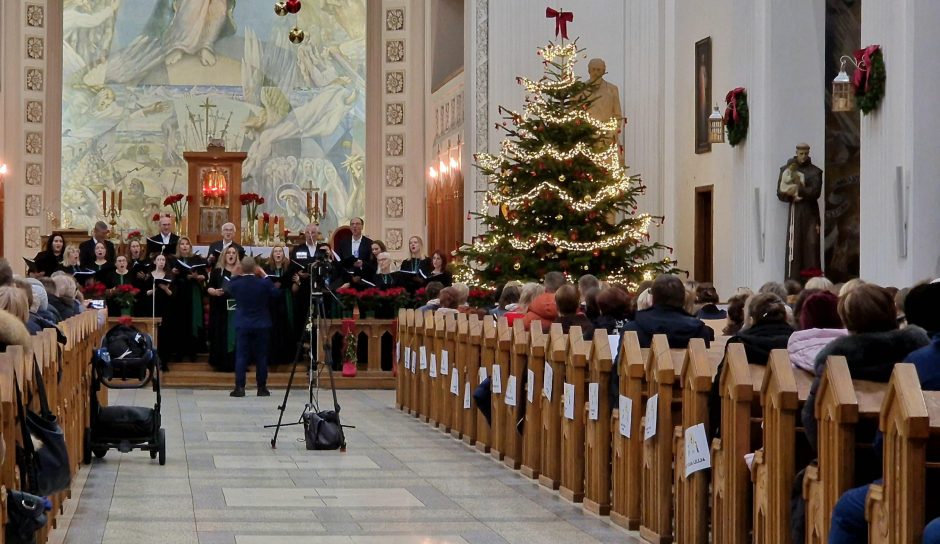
(43, 458)
(26, 514)
(323, 431)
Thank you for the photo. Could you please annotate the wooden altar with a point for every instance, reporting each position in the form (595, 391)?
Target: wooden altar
(210, 209)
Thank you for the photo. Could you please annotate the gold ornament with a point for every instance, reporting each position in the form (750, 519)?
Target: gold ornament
(559, 217)
(561, 177)
(586, 267)
(280, 8)
(558, 250)
(296, 35)
(516, 266)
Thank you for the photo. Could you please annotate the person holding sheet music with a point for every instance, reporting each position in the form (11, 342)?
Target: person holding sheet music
(356, 254)
(71, 263)
(50, 259)
(119, 276)
(280, 271)
(438, 270)
(87, 248)
(189, 277)
(409, 273)
(135, 255)
(159, 294)
(384, 277)
(101, 264)
(228, 239)
(164, 241)
(303, 255)
(221, 312)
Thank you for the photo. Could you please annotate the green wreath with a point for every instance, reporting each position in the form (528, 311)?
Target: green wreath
(737, 130)
(870, 100)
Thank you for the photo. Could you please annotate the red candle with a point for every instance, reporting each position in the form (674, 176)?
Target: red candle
(104, 200)
(112, 200)
(121, 200)
(309, 205)
(324, 203)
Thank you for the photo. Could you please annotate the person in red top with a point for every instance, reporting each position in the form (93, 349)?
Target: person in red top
(543, 308)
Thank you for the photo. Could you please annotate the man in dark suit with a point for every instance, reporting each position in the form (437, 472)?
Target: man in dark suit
(253, 295)
(219, 246)
(356, 253)
(164, 241)
(86, 250)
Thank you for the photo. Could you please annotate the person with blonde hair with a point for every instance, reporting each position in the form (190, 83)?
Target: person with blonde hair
(819, 282)
(66, 291)
(14, 300)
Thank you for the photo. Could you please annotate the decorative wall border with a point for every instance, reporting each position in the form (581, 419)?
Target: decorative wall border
(396, 63)
(482, 69)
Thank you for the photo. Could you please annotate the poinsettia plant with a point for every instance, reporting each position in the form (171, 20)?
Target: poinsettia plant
(481, 298)
(125, 295)
(134, 235)
(94, 289)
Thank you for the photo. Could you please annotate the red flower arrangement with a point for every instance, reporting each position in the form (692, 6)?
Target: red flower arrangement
(94, 289)
(481, 298)
(251, 201)
(125, 295)
(135, 234)
(155, 218)
(178, 203)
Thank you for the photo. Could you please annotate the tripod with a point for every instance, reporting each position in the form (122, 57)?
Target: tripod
(315, 335)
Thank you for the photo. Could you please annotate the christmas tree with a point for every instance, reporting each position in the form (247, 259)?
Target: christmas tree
(562, 198)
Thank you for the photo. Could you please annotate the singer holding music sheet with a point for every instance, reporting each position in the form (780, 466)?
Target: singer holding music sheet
(164, 241)
(160, 295)
(221, 312)
(302, 255)
(50, 259)
(356, 255)
(87, 248)
(228, 239)
(189, 277)
(280, 272)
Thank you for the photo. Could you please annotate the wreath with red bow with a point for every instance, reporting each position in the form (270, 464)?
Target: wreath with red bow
(869, 82)
(736, 115)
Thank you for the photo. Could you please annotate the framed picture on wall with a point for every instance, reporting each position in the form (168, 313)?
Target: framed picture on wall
(703, 93)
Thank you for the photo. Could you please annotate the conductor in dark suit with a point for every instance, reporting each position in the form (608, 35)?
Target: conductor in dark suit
(86, 250)
(253, 294)
(164, 242)
(219, 246)
(356, 252)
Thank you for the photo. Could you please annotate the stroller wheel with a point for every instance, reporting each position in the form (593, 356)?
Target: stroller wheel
(162, 446)
(86, 448)
(99, 452)
(153, 453)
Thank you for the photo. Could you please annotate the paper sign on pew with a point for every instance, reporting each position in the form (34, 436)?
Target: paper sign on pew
(424, 358)
(414, 362)
(497, 383)
(454, 383)
(466, 395)
(697, 455)
(530, 385)
(482, 373)
(652, 413)
(445, 366)
(433, 369)
(568, 400)
(547, 381)
(510, 397)
(593, 401)
(397, 351)
(614, 341)
(408, 357)
(626, 415)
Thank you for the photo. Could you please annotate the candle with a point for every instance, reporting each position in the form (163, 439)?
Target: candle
(121, 200)
(309, 205)
(316, 203)
(324, 203)
(104, 200)
(260, 224)
(112, 200)
(275, 221)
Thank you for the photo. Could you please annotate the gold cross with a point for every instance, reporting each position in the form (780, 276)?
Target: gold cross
(207, 106)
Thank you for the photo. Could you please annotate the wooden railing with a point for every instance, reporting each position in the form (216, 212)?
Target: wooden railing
(65, 373)
(642, 483)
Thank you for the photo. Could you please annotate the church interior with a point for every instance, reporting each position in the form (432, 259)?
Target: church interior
(469, 271)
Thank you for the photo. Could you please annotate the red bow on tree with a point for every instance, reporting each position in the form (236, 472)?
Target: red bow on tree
(731, 112)
(562, 18)
(863, 58)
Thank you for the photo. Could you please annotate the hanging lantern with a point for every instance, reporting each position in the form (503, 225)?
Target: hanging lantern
(843, 95)
(716, 127)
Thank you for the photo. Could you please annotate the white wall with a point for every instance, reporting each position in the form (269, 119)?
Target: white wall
(902, 133)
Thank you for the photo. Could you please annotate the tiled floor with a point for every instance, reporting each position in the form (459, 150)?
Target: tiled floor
(401, 482)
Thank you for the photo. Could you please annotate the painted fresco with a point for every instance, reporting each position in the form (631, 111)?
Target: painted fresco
(137, 74)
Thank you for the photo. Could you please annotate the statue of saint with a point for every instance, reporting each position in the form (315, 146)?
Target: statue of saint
(800, 184)
(605, 96)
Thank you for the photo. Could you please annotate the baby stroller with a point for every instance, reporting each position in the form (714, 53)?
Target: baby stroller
(126, 360)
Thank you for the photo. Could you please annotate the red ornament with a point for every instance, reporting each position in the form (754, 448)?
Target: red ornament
(292, 6)
(497, 269)
(597, 253)
(573, 236)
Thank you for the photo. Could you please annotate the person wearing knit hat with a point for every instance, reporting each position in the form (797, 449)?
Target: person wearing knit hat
(819, 325)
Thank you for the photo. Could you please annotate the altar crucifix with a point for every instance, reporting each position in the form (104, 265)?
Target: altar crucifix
(208, 107)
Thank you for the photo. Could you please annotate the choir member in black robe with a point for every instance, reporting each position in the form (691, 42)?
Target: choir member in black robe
(221, 314)
(283, 340)
(50, 259)
(189, 278)
(119, 276)
(160, 296)
(438, 270)
(410, 270)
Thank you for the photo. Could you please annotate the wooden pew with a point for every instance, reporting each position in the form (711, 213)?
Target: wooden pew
(731, 479)
(692, 490)
(518, 369)
(405, 327)
(458, 365)
(774, 464)
(627, 462)
(840, 404)
(436, 341)
(532, 429)
(910, 421)
(487, 360)
(419, 368)
(424, 367)
(471, 364)
(656, 512)
(597, 446)
(552, 390)
(445, 366)
(571, 482)
(500, 375)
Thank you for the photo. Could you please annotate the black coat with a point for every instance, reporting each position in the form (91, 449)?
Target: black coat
(86, 252)
(678, 326)
(760, 339)
(215, 251)
(871, 356)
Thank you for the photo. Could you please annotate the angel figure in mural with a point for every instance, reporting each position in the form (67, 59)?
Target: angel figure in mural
(194, 27)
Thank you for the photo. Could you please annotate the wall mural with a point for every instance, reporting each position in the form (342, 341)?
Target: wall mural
(137, 74)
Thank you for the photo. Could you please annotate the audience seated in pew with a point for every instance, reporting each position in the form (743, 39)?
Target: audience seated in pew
(527, 294)
(766, 330)
(668, 316)
(706, 298)
(735, 312)
(872, 348)
(567, 302)
(448, 300)
(920, 307)
(432, 291)
(508, 300)
(613, 306)
(542, 307)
